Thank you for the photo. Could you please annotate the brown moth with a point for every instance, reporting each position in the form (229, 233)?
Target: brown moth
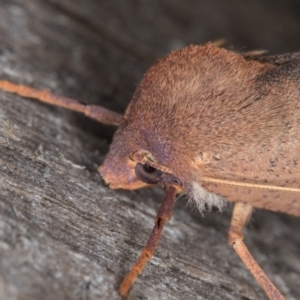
(210, 123)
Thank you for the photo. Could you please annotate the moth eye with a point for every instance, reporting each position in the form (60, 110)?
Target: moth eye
(147, 173)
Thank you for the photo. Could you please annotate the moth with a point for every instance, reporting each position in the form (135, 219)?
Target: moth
(212, 124)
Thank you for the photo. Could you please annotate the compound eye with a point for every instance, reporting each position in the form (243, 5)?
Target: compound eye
(147, 173)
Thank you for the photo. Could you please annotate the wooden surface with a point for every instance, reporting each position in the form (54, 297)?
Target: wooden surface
(63, 233)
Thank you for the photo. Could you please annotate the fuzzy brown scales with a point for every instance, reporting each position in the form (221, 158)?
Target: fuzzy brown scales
(212, 124)
(207, 100)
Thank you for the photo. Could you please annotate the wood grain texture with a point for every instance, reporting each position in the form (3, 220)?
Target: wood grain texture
(63, 234)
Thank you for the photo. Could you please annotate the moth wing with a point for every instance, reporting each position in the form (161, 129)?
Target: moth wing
(275, 194)
(263, 177)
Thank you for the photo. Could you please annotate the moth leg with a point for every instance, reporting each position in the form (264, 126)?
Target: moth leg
(163, 215)
(95, 112)
(240, 216)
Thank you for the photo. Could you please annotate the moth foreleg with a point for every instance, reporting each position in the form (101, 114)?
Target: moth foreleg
(163, 215)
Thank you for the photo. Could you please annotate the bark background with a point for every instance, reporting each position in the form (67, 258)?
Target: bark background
(63, 234)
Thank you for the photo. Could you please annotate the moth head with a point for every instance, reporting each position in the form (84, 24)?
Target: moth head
(169, 120)
(130, 165)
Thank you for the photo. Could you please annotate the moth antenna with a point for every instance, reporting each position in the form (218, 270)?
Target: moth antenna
(95, 112)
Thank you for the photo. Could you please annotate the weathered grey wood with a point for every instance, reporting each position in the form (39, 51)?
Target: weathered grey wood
(63, 234)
